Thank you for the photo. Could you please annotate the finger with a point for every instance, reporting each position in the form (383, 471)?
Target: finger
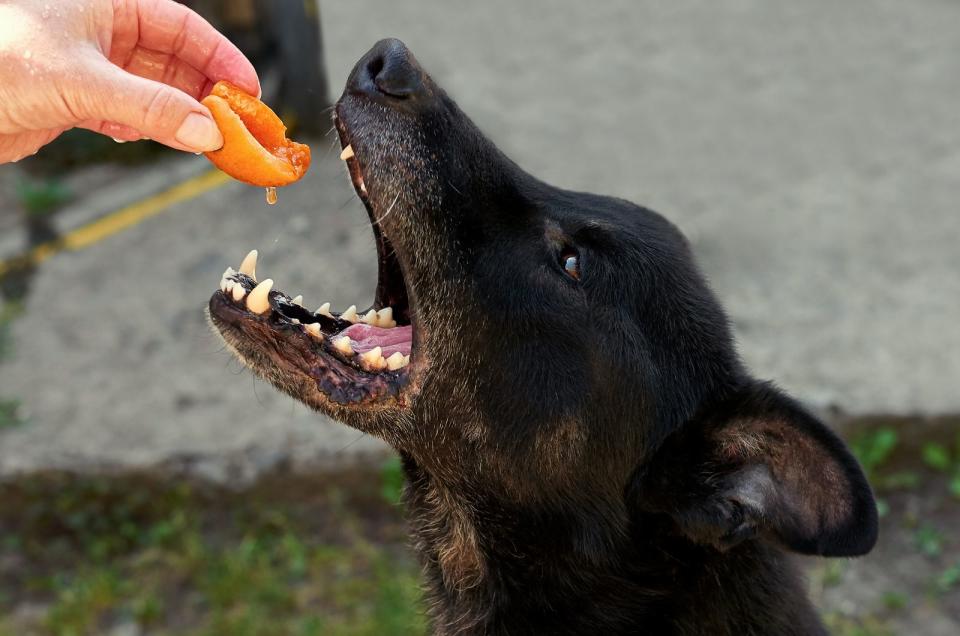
(169, 27)
(164, 67)
(158, 111)
(19, 146)
(117, 132)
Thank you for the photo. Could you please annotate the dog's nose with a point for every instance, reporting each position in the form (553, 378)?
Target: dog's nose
(388, 70)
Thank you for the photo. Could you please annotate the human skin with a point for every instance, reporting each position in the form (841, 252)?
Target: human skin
(130, 69)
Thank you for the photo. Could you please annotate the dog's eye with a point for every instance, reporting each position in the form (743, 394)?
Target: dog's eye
(570, 260)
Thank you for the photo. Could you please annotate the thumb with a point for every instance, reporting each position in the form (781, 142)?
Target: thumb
(161, 112)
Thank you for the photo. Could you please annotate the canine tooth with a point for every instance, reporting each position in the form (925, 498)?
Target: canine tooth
(249, 265)
(297, 300)
(342, 344)
(346, 153)
(324, 310)
(370, 318)
(314, 329)
(295, 321)
(350, 314)
(373, 359)
(257, 301)
(238, 292)
(406, 360)
(395, 361)
(385, 318)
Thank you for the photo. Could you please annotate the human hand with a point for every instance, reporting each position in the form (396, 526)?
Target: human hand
(125, 68)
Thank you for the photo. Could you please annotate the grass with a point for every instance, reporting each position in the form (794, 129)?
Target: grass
(95, 553)
(9, 312)
(10, 412)
(41, 197)
(840, 625)
(939, 457)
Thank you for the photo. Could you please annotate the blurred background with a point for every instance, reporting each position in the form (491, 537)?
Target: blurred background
(810, 151)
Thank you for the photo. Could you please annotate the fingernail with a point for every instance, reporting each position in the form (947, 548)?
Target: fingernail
(198, 131)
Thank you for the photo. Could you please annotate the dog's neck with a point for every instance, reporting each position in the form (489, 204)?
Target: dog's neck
(498, 569)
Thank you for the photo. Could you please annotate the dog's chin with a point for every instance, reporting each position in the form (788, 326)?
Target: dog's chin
(343, 364)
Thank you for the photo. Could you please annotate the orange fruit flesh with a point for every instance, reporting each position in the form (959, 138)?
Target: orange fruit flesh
(255, 145)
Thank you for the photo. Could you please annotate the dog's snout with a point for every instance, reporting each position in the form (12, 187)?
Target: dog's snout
(388, 71)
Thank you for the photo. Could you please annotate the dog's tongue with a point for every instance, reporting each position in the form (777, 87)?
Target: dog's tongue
(365, 337)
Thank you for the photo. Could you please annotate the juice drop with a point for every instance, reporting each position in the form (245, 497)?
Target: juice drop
(271, 196)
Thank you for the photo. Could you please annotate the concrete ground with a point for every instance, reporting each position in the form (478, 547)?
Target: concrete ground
(810, 151)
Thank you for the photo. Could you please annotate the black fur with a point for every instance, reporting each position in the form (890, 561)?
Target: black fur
(583, 456)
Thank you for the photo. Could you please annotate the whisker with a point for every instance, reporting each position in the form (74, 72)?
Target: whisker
(359, 437)
(331, 147)
(389, 210)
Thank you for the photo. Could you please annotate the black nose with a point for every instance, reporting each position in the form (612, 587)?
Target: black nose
(388, 70)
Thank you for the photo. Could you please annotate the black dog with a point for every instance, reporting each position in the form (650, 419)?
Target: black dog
(585, 453)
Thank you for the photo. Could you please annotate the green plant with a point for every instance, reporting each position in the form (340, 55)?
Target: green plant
(8, 313)
(40, 198)
(929, 540)
(833, 572)
(948, 579)
(841, 625)
(874, 447)
(391, 473)
(900, 480)
(936, 456)
(10, 414)
(939, 457)
(895, 601)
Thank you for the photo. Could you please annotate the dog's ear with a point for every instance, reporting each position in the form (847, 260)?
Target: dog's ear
(760, 465)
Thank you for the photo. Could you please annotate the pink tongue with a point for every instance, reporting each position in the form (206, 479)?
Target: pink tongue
(366, 337)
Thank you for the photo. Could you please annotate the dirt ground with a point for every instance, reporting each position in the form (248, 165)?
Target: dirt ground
(327, 553)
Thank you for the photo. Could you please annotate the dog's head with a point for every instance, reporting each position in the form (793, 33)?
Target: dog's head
(540, 346)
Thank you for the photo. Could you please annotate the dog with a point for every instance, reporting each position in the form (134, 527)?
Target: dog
(584, 451)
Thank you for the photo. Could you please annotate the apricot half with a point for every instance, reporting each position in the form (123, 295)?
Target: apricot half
(255, 145)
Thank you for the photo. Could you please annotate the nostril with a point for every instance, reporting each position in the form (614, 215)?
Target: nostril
(374, 66)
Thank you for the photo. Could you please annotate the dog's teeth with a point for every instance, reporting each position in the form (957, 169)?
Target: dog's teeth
(406, 360)
(295, 321)
(249, 265)
(347, 153)
(370, 318)
(342, 344)
(395, 361)
(257, 301)
(350, 314)
(227, 273)
(373, 360)
(238, 292)
(363, 187)
(324, 310)
(223, 285)
(385, 318)
(314, 330)
(297, 300)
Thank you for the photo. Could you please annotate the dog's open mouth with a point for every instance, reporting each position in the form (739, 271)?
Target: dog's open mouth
(353, 357)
